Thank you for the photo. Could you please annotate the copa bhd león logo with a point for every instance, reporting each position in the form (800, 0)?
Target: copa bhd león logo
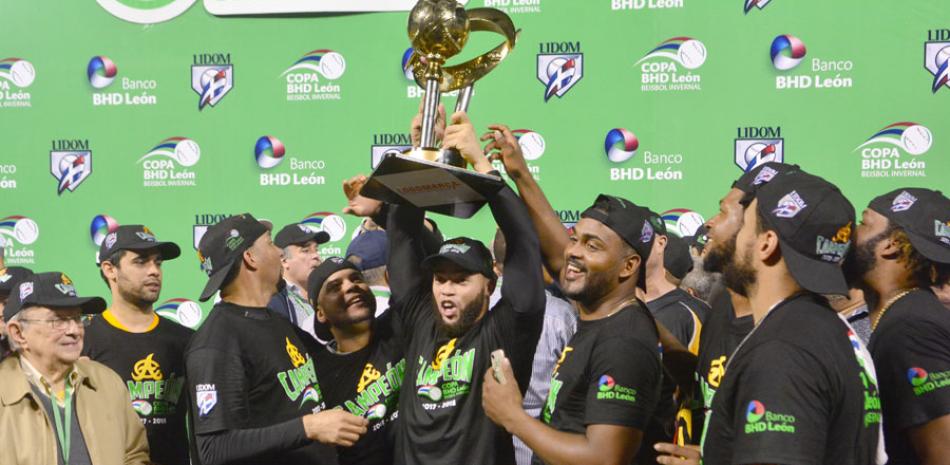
(169, 163)
(303, 77)
(21, 74)
(682, 221)
(182, 311)
(515, 6)
(532, 146)
(145, 11)
(332, 224)
(659, 71)
(17, 234)
(70, 163)
(895, 151)
(413, 90)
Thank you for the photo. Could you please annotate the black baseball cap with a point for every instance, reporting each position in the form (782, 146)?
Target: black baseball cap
(10, 277)
(53, 290)
(676, 257)
(465, 252)
(813, 221)
(924, 215)
(135, 237)
(296, 233)
(221, 247)
(636, 225)
(752, 180)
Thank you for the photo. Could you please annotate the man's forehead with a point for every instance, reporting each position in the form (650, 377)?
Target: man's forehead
(343, 274)
(591, 228)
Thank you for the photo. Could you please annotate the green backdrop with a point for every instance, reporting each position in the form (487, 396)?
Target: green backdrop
(871, 65)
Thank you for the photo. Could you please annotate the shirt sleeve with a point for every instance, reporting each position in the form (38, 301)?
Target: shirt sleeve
(913, 367)
(624, 385)
(218, 389)
(783, 407)
(679, 320)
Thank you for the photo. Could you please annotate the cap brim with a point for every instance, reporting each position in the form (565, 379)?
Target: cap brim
(88, 305)
(168, 250)
(928, 248)
(215, 281)
(431, 260)
(814, 275)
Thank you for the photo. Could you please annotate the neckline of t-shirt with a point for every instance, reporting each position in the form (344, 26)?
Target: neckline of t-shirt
(113, 322)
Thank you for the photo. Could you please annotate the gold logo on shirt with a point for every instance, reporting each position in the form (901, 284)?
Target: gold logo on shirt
(443, 353)
(717, 369)
(561, 359)
(147, 369)
(295, 358)
(370, 374)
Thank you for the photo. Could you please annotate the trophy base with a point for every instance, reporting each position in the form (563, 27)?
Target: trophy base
(430, 185)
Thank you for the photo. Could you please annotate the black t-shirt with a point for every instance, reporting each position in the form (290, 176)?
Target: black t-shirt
(366, 383)
(722, 333)
(911, 350)
(152, 365)
(795, 393)
(250, 368)
(682, 314)
(609, 374)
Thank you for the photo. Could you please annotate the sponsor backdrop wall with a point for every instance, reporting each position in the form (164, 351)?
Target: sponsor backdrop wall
(127, 111)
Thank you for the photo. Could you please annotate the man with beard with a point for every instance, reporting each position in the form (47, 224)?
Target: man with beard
(729, 321)
(146, 351)
(256, 398)
(361, 369)
(798, 389)
(902, 250)
(442, 302)
(606, 384)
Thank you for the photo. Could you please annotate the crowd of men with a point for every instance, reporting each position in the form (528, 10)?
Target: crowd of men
(786, 331)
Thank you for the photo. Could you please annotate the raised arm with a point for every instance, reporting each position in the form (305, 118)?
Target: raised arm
(553, 236)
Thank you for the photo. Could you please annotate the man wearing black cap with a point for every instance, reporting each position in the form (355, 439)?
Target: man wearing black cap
(55, 407)
(606, 384)
(301, 254)
(798, 389)
(362, 367)
(681, 313)
(442, 304)
(9, 278)
(255, 394)
(146, 351)
(902, 249)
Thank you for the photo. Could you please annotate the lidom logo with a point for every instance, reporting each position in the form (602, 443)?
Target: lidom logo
(659, 71)
(755, 146)
(70, 163)
(303, 77)
(16, 74)
(388, 144)
(750, 4)
(270, 153)
(212, 77)
(168, 163)
(17, 234)
(937, 58)
(895, 151)
(202, 222)
(560, 67)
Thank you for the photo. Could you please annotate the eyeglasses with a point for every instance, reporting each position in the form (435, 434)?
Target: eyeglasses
(60, 324)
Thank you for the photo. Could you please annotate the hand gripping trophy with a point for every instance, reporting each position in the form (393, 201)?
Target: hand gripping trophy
(429, 177)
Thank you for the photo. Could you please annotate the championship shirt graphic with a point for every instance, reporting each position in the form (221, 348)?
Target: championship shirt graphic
(300, 382)
(377, 392)
(153, 393)
(447, 376)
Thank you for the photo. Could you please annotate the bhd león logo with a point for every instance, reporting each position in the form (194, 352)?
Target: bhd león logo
(937, 58)
(212, 77)
(70, 163)
(169, 163)
(100, 226)
(620, 146)
(532, 146)
(16, 74)
(102, 73)
(659, 71)
(896, 151)
(560, 67)
(757, 145)
(270, 154)
(305, 77)
(17, 234)
(761, 420)
(787, 52)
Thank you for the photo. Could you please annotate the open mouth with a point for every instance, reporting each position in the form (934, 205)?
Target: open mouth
(448, 310)
(574, 270)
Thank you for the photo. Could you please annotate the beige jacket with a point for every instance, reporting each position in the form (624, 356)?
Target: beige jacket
(113, 432)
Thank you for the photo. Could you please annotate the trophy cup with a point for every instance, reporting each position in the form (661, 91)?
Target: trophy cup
(428, 177)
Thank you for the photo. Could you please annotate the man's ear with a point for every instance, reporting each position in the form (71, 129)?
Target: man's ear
(767, 247)
(320, 315)
(108, 270)
(630, 265)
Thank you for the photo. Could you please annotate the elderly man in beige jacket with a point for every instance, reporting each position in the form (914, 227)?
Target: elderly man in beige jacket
(55, 408)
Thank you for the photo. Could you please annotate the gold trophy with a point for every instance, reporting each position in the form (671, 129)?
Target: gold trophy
(429, 177)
